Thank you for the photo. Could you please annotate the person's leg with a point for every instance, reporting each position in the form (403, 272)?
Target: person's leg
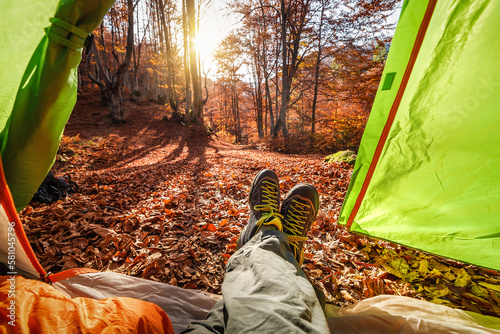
(265, 290)
(213, 323)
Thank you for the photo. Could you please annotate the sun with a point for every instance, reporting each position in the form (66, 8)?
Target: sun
(205, 43)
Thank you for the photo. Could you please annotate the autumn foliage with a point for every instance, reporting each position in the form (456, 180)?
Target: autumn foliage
(295, 76)
(166, 202)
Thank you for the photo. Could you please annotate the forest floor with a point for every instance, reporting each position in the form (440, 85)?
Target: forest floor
(166, 202)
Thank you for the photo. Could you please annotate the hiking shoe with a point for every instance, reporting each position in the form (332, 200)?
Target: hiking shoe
(264, 203)
(299, 210)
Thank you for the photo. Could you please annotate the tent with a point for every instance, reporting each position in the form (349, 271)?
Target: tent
(40, 52)
(426, 174)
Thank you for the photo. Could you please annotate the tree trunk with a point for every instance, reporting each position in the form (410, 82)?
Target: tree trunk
(110, 86)
(260, 122)
(226, 112)
(236, 113)
(258, 91)
(171, 93)
(290, 56)
(136, 61)
(269, 103)
(285, 86)
(114, 101)
(316, 70)
(103, 81)
(187, 77)
(274, 129)
(197, 115)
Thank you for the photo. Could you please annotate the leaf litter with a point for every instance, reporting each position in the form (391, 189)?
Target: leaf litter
(165, 202)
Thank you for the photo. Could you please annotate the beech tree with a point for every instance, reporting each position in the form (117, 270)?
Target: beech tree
(197, 112)
(229, 61)
(293, 23)
(109, 81)
(301, 67)
(165, 16)
(187, 76)
(300, 40)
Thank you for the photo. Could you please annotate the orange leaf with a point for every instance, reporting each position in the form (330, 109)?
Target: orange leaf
(233, 212)
(190, 286)
(223, 223)
(225, 257)
(209, 227)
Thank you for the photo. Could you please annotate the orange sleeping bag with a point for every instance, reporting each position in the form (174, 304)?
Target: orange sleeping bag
(29, 306)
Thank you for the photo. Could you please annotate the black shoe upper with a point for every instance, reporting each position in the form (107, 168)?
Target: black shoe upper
(297, 213)
(264, 202)
(299, 210)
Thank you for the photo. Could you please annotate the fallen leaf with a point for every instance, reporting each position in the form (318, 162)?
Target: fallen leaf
(463, 278)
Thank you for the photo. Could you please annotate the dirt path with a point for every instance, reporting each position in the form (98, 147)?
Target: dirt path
(166, 202)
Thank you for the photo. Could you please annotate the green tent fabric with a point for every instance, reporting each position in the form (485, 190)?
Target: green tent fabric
(39, 74)
(427, 173)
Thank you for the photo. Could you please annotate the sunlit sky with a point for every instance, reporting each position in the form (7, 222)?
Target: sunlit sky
(215, 25)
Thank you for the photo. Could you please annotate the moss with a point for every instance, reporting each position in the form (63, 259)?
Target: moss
(349, 157)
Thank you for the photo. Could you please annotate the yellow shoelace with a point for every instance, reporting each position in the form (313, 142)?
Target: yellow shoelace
(270, 207)
(296, 215)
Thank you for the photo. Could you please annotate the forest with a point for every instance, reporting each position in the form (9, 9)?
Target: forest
(173, 121)
(296, 76)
